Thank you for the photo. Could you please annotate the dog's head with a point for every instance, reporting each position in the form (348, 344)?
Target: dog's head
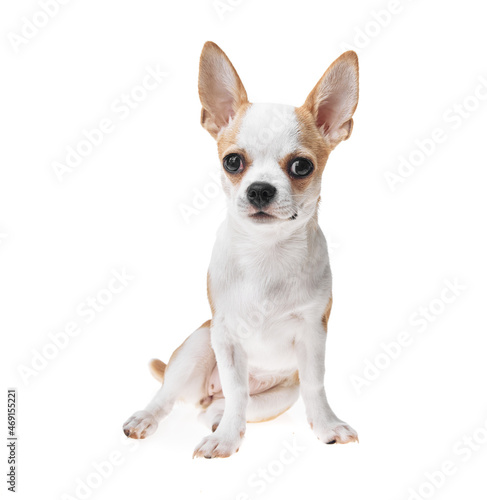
(273, 155)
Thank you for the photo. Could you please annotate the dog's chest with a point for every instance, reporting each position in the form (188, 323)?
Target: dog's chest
(262, 297)
(268, 294)
(265, 311)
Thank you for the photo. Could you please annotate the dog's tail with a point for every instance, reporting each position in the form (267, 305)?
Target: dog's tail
(157, 368)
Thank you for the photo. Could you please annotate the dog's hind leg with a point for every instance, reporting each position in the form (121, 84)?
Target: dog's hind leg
(212, 415)
(184, 378)
(261, 407)
(273, 402)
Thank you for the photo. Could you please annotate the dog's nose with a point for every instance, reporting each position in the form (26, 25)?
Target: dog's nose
(260, 194)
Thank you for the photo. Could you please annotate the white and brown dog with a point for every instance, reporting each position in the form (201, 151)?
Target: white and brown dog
(269, 280)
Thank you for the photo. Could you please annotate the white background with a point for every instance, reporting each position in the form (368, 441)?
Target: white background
(121, 208)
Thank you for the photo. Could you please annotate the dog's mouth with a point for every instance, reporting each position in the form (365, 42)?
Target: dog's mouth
(262, 217)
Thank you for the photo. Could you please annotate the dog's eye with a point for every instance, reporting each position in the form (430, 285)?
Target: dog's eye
(233, 163)
(300, 167)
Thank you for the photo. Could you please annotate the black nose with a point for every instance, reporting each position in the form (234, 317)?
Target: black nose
(260, 194)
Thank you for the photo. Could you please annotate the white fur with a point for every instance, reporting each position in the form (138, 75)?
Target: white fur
(270, 284)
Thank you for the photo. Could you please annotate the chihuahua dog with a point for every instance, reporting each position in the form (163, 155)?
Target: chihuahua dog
(269, 279)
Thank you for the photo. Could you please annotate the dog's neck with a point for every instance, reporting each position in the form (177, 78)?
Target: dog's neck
(273, 250)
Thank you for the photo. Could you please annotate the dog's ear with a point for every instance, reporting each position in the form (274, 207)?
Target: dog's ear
(220, 89)
(333, 100)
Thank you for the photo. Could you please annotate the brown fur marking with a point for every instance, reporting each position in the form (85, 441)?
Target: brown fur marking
(314, 145)
(208, 292)
(158, 369)
(326, 314)
(315, 97)
(227, 143)
(206, 324)
(214, 71)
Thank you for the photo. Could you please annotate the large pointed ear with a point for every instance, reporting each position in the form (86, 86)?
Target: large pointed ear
(221, 91)
(333, 100)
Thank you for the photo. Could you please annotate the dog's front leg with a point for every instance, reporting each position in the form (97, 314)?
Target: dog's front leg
(310, 351)
(232, 366)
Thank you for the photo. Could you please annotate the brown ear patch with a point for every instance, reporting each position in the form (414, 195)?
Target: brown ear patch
(208, 123)
(314, 97)
(220, 89)
(333, 100)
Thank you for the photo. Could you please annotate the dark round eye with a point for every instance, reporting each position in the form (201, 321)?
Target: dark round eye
(232, 163)
(300, 167)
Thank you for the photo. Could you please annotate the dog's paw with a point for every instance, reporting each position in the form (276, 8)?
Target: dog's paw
(140, 425)
(337, 432)
(217, 445)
